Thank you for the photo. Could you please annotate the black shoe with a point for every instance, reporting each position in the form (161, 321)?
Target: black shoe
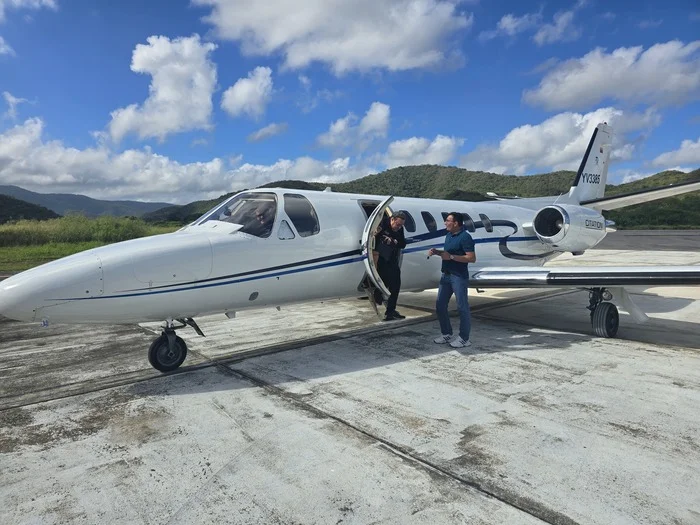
(397, 315)
(390, 318)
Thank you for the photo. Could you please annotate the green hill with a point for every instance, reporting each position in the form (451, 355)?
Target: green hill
(12, 209)
(443, 182)
(67, 203)
(436, 182)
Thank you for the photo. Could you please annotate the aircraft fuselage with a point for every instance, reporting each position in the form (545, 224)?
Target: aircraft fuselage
(209, 267)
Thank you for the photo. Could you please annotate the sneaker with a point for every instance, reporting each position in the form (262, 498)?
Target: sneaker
(397, 315)
(460, 343)
(442, 339)
(390, 318)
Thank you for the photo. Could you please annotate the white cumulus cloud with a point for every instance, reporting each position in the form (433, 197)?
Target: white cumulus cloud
(12, 103)
(559, 142)
(5, 48)
(344, 132)
(624, 176)
(361, 35)
(667, 73)
(376, 120)
(268, 131)
(419, 150)
(25, 4)
(28, 161)
(249, 95)
(561, 29)
(183, 80)
(688, 153)
(511, 25)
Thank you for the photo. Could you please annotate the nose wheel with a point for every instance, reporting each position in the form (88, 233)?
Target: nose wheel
(167, 352)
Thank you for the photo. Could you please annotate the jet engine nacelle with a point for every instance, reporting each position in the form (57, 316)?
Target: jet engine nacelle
(569, 228)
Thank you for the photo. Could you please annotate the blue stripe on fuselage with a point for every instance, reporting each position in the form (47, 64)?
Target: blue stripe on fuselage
(257, 275)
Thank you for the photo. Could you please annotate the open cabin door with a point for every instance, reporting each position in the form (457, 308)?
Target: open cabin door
(371, 225)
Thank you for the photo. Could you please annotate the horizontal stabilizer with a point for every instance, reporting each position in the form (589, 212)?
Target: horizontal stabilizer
(501, 197)
(639, 197)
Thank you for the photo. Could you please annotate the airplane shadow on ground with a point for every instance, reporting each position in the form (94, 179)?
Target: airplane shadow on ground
(370, 352)
(494, 332)
(40, 360)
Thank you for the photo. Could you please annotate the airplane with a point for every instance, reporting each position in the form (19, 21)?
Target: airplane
(277, 246)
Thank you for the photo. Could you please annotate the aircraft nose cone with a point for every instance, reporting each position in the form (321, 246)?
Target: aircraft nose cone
(24, 295)
(14, 302)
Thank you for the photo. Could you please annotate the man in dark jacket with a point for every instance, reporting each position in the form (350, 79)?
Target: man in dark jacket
(389, 242)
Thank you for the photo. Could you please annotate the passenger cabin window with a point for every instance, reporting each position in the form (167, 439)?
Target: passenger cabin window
(409, 224)
(429, 221)
(486, 222)
(468, 223)
(256, 212)
(302, 214)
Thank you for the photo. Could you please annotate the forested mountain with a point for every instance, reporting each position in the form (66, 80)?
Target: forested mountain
(12, 209)
(441, 182)
(65, 203)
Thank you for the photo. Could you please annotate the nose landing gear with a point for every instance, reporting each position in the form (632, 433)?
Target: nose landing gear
(169, 351)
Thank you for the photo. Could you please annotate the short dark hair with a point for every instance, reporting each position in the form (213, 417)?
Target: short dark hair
(399, 215)
(457, 217)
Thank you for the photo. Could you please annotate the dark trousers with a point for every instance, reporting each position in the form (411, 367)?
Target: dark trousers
(390, 272)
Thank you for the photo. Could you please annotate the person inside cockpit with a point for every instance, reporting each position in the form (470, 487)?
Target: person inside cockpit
(264, 218)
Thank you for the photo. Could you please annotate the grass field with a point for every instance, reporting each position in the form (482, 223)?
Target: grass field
(17, 258)
(26, 244)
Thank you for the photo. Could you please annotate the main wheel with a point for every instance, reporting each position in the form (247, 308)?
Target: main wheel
(164, 358)
(605, 320)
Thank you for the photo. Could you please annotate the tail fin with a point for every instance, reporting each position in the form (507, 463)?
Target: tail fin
(593, 172)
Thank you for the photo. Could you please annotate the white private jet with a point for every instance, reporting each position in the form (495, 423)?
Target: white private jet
(271, 247)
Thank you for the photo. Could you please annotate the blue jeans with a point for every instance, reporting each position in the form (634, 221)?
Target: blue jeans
(449, 284)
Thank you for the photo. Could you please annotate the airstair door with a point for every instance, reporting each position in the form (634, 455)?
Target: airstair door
(368, 234)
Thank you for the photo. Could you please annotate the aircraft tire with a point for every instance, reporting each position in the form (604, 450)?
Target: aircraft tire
(605, 320)
(162, 358)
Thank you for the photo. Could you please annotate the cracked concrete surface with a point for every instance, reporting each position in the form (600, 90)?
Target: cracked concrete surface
(323, 414)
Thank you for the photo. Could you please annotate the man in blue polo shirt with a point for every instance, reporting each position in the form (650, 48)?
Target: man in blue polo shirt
(458, 253)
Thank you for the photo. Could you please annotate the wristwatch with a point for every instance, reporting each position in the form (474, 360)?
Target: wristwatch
(452, 257)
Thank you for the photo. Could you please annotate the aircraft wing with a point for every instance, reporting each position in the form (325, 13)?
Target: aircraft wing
(585, 276)
(638, 197)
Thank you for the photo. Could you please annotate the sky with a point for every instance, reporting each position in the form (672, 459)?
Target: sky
(176, 101)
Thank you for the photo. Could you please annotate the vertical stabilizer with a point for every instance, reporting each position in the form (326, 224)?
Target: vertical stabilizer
(593, 172)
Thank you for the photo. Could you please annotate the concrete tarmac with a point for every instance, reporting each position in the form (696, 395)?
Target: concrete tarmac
(321, 413)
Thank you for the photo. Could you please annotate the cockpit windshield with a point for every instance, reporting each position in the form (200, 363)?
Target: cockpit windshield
(254, 211)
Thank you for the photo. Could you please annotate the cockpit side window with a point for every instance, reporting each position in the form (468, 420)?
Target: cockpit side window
(302, 214)
(256, 212)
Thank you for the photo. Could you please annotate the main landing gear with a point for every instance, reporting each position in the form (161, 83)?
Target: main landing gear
(169, 351)
(605, 318)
